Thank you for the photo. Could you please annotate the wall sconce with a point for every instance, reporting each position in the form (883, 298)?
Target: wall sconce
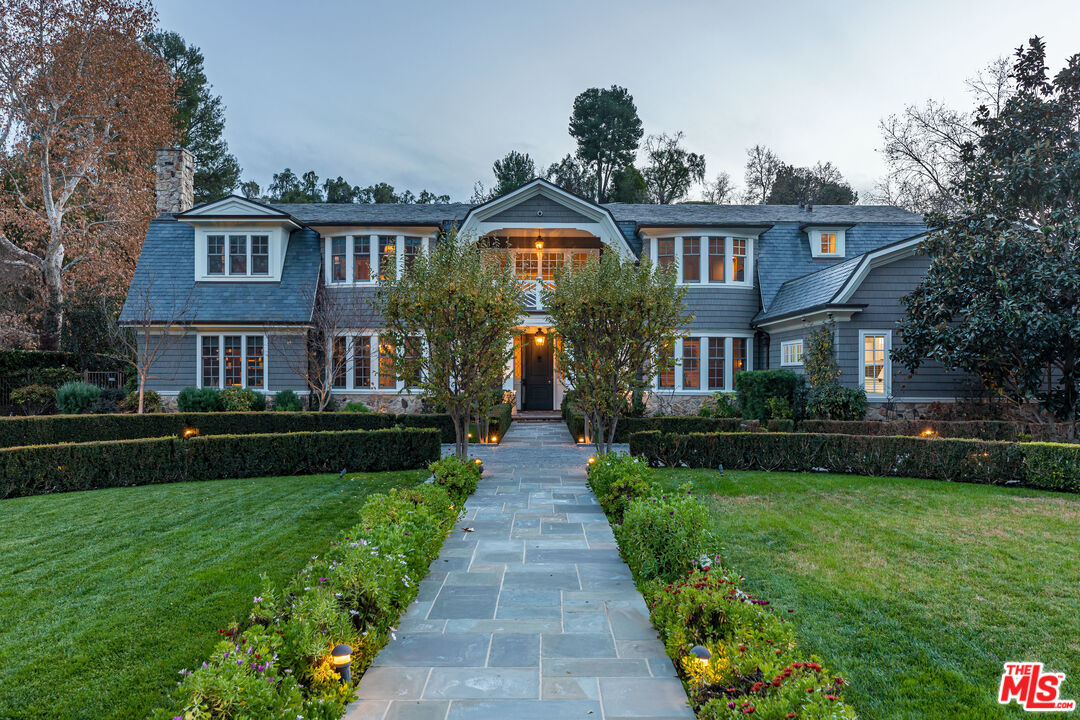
(191, 432)
(342, 659)
(539, 244)
(540, 338)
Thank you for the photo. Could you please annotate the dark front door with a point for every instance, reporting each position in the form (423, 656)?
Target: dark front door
(539, 371)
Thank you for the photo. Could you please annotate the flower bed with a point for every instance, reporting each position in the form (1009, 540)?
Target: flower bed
(276, 663)
(41, 469)
(627, 426)
(1049, 466)
(754, 664)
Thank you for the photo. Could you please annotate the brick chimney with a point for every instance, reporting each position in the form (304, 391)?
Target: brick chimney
(175, 180)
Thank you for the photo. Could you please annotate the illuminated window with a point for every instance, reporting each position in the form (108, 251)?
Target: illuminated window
(716, 259)
(412, 249)
(361, 259)
(666, 378)
(665, 252)
(337, 260)
(386, 366)
(210, 362)
(362, 362)
(691, 363)
(691, 259)
(828, 243)
(875, 362)
(255, 361)
(579, 259)
(526, 266)
(738, 259)
(716, 363)
(233, 357)
(232, 361)
(548, 263)
(387, 256)
(791, 352)
(738, 355)
(338, 360)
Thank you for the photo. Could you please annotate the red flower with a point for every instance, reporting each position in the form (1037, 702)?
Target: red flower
(809, 690)
(748, 710)
(791, 715)
(832, 697)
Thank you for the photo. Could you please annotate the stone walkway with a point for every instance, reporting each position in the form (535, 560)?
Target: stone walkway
(532, 615)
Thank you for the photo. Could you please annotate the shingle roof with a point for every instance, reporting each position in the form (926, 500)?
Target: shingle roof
(760, 214)
(167, 267)
(810, 290)
(374, 213)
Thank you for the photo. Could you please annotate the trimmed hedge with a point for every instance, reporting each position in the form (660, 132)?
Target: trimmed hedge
(974, 429)
(501, 419)
(44, 469)
(680, 424)
(1039, 465)
(49, 429)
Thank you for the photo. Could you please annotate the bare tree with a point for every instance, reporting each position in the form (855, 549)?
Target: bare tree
(152, 326)
(721, 190)
(762, 166)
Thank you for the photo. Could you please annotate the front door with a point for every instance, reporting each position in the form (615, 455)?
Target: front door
(539, 372)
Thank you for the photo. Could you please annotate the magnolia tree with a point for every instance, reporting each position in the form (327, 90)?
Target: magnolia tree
(617, 321)
(464, 304)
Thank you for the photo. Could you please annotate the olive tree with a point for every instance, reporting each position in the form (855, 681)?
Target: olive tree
(617, 321)
(449, 322)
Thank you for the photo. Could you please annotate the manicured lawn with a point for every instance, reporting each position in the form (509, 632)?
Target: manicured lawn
(914, 590)
(105, 595)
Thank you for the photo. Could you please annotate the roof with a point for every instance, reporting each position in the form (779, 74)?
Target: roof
(812, 290)
(167, 269)
(721, 215)
(373, 213)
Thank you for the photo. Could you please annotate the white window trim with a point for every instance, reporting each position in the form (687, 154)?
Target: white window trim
(813, 234)
(273, 260)
(888, 363)
(374, 341)
(703, 363)
(373, 256)
(652, 249)
(265, 388)
(784, 346)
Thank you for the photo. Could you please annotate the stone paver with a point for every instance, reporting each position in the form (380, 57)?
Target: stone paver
(532, 614)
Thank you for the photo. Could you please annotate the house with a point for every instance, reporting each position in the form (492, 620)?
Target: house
(759, 279)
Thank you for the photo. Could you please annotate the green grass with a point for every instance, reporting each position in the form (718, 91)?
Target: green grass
(105, 595)
(916, 591)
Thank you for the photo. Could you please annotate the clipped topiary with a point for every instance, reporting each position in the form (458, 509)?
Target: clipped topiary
(199, 400)
(74, 398)
(288, 401)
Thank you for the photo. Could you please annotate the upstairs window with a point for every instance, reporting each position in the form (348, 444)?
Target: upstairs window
(260, 254)
(215, 254)
(828, 243)
(691, 262)
(716, 259)
(738, 259)
(238, 255)
(387, 256)
(337, 260)
(665, 252)
(412, 249)
(361, 259)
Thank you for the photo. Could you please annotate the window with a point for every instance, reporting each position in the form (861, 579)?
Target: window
(338, 362)
(362, 362)
(238, 254)
(716, 259)
(526, 266)
(548, 262)
(738, 355)
(691, 363)
(412, 249)
(691, 259)
(337, 260)
(387, 256)
(828, 243)
(716, 363)
(738, 259)
(665, 251)
(875, 362)
(210, 361)
(386, 366)
(215, 254)
(579, 259)
(361, 259)
(413, 350)
(791, 352)
(666, 378)
(233, 348)
(255, 360)
(260, 254)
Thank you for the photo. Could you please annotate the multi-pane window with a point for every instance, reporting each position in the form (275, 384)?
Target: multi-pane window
(361, 259)
(738, 355)
(412, 249)
(716, 363)
(210, 362)
(387, 378)
(260, 254)
(691, 259)
(828, 243)
(526, 266)
(215, 254)
(665, 252)
(716, 259)
(337, 259)
(413, 348)
(338, 361)
(233, 352)
(255, 360)
(666, 378)
(874, 357)
(691, 363)
(791, 352)
(387, 256)
(738, 259)
(548, 263)
(362, 362)
(238, 254)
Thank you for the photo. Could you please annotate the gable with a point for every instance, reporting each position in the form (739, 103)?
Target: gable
(539, 208)
(233, 206)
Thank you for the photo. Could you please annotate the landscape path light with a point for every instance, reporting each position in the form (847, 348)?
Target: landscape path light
(342, 658)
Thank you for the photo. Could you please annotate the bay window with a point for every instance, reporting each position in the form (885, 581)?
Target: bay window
(716, 364)
(712, 259)
(706, 363)
(362, 362)
(387, 256)
(738, 259)
(361, 259)
(666, 379)
(232, 360)
(387, 379)
(665, 252)
(368, 258)
(338, 360)
(738, 355)
(691, 369)
(412, 249)
(716, 259)
(337, 260)
(691, 262)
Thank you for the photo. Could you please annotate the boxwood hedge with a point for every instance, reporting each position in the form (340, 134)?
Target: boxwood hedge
(975, 429)
(627, 426)
(41, 469)
(1042, 465)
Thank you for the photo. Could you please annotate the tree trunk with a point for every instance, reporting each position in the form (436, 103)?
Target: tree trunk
(461, 432)
(142, 390)
(52, 320)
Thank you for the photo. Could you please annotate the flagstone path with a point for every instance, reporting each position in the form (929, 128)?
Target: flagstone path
(530, 616)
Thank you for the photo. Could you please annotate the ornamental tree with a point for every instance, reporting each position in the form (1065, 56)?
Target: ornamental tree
(449, 321)
(1001, 299)
(615, 319)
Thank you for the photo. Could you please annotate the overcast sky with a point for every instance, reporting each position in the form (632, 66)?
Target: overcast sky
(429, 94)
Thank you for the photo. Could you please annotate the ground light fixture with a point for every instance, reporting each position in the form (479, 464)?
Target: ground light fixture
(591, 459)
(928, 432)
(190, 432)
(342, 659)
(701, 654)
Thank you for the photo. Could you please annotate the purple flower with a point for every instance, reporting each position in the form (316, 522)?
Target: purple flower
(258, 599)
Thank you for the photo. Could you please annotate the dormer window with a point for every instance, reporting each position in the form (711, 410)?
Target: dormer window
(248, 255)
(215, 254)
(721, 260)
(826, 242)
(368, 258)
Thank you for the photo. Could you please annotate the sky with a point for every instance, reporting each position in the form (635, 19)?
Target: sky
(430, 94)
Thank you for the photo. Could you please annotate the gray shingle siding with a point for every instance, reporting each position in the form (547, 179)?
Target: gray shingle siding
(285, 357)
(721, 308)
(526, 211)
(777, 339)
(174, 367)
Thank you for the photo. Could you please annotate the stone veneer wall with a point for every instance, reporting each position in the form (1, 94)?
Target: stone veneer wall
(175, 180)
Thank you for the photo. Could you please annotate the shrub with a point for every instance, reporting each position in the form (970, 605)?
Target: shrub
(77, 397)
(44, 469)
(239, 399)
(34, 399)
(755, 388)
(835, 402)
(1052, 466)
(459, 477)
(781, 426)
(355, 406)
(720, 405)
(617, 480)
(287, 401)
(199, 400)
(669, 535)
(151, 402)
(626, 427)
(778, 408)
(500, 419)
